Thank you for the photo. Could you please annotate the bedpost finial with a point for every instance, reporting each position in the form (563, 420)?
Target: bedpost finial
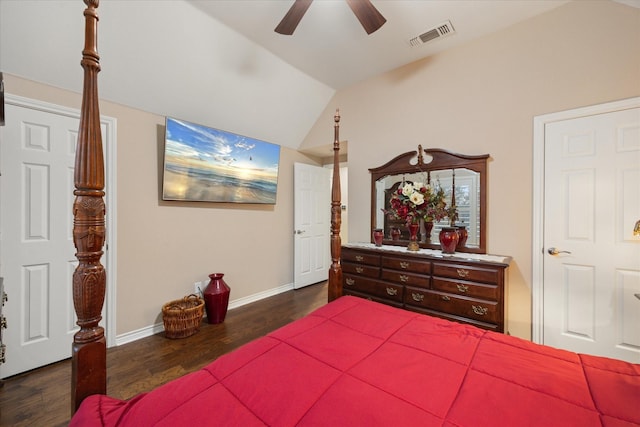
(92, 3)
(336, 133)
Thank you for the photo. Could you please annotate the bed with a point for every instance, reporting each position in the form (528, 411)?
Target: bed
(356, 362)
(351, 362)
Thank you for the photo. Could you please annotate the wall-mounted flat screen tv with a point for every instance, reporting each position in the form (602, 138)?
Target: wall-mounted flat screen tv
(211, 165)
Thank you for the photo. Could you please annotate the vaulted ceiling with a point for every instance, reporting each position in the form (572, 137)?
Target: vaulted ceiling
(331, 46)
(220, 63)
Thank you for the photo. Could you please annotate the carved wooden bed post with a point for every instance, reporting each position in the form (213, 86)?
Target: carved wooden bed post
(89, 279)
(335, 271)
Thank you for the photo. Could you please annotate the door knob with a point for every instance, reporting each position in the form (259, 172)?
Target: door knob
(298, 232)
(554, 251)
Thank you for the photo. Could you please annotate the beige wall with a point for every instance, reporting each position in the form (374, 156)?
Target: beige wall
(164, 247)
(482, 98)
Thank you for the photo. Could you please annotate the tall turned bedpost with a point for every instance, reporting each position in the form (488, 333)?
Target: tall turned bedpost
(335, 271)
(89, 279)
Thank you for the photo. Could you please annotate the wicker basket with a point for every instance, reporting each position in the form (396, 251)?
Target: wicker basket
(182, 317)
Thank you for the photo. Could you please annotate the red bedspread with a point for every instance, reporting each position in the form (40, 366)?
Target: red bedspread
(358, 363)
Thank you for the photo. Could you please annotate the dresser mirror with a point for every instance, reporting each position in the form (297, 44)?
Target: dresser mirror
(459, 175)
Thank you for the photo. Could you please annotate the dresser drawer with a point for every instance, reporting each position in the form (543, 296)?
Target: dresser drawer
(387, 291)
(464, 287)
(465, 272)
(484, 325)
(360, 257)
(373, 298)
(485, 311)
(404, 278)
(361, 269)
(412, 265)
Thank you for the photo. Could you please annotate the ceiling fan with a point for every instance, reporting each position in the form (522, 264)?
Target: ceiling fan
(366, 13)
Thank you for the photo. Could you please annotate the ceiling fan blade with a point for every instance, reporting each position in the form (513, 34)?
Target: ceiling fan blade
(367, 14)
(291, 20)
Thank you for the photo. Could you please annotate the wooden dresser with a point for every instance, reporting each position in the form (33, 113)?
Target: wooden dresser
(467, 288)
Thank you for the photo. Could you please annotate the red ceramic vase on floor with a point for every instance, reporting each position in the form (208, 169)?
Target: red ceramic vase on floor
(216, 298)
(448, 239)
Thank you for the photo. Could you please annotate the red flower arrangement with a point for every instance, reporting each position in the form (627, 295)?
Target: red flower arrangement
(414, 201)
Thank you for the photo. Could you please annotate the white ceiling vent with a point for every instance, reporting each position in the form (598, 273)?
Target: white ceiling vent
(436, 32)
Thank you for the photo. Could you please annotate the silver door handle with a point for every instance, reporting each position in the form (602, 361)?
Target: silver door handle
(298, 232)
(554, 251)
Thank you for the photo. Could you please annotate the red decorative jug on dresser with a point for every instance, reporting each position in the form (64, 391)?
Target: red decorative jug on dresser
(448, 239)
(216, 298)
(378, 235)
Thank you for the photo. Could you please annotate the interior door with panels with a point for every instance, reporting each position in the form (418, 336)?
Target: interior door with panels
(311, 224)
(591, 256)
(37, 253)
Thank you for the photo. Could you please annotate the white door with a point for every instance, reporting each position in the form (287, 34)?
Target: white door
(312, 224)
(36, 246)
(591, 256)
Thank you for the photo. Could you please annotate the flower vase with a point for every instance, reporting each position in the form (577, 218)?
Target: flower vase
(395, 233)
(448, 239)
(413, 237)
(216, 298)
(378, 235)
(428, 227)
(462, 236)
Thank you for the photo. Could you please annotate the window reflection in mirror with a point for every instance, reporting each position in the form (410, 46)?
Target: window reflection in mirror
(467, 194)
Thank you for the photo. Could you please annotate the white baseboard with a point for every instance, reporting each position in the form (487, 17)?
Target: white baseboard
(128, 337)
(260, 295)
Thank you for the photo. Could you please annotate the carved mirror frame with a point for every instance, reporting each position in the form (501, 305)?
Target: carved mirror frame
(432, 162)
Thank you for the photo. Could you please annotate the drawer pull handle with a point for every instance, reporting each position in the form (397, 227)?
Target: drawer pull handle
(404, 264)
(417, 297)
(349, 281)
(462, 272)
(392, 291)
(359, 258)
(479, 310)
(445, 298)
(403, 278)
(359, 269)
(462, 288)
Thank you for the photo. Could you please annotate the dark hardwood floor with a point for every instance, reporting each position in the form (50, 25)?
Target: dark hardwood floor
(43, 397)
